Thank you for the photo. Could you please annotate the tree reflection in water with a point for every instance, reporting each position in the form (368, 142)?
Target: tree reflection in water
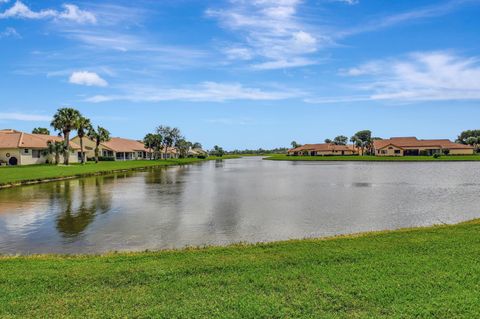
(80, 206)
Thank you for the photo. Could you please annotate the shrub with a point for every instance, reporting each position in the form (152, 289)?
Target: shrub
(446, 151)
(436, 155)
(101, 159)
(202, 156)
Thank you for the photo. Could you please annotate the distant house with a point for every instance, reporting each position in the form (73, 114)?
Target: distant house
(411, 146)
(194, 152)
(121, 149)
(322, 150)
(19, 148)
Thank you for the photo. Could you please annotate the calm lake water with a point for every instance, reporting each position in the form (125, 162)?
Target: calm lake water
(244, 200)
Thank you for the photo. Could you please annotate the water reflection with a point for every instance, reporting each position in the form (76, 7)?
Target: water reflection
(221, 202)
(78, 208)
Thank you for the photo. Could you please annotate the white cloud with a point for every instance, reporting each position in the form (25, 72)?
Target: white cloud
(24, 117)
(271, 32)
(71, 13)
(9, 32)
(430, 76)
(350, 2)
(204, 92)
(87, 78)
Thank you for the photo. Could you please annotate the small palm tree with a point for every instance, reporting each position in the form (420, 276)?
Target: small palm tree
(55, 148)
(83, 126)
(99, 136)
(65, 121)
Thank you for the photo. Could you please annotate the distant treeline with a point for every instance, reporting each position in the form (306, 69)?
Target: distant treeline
(260, 151)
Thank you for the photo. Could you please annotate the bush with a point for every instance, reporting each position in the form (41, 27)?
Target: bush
(436, 155)
(446, 151)
(202, 156)
(101, 159)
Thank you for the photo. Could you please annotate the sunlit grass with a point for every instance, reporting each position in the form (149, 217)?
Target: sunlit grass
(416, 273)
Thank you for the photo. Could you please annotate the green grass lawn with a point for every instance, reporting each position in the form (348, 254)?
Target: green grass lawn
(418, 273)
(28, 173)
(376, 158)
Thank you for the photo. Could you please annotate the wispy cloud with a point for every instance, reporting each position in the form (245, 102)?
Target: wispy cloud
(430, 76)
(271, 32)
(203, 92)
(418, 13)
(87, 78)
(10, 32)
(70, 12)
(24, 117)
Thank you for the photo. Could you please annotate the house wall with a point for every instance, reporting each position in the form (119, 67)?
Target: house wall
(461, 152)
(28, 159)
(389, 151)
(88, 146)
(336, 152)
(12, 152)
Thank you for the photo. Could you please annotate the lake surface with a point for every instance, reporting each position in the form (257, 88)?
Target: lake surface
(241, 200)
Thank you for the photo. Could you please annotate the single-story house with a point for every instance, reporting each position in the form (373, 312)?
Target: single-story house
(19, 148)
(411, 146)
(194, 152)
(322, 150)
(121, 149)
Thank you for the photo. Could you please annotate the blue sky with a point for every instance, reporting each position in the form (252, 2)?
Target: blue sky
(244, 74)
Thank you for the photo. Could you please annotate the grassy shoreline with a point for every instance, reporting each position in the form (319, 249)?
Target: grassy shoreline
(427, 272)
(32, 174)
(453, 158)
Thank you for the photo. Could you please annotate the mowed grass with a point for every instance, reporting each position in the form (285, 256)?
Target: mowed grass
(376, 158)
(418, 273)
(32, 173)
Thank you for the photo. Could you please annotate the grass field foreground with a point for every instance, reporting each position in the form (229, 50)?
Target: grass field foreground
(416, 273)
(33, 173)
(461, 158)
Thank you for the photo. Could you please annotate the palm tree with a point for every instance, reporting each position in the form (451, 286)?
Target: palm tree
(65, 121)
(99, 136)
(83, 126)
(41, 130)
(149, 141)
(55, 148)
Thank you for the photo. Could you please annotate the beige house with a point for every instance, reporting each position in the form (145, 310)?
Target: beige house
(121, 149)
(322, 150)
(411, 146)
(19, 148)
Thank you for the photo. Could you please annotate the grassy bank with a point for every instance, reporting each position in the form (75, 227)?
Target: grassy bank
(460, 158)
(418, 273)
(34, 173)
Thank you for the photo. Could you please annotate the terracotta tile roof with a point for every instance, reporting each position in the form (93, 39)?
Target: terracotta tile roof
(405, 142)
(16, 139)
(118, 144)
(322, 148)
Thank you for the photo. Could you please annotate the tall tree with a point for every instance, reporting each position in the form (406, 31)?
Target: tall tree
(170, 136)
(363, 139)
(328, 141)
(197, 145)
(183, 146)
(340, 140)
(99, 136)
(41, 130)
(295, 144)
(83, 126)
(65, 121)
(149, 141)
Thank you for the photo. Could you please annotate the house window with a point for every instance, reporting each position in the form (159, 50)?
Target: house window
(25, 151)
(397, 152)
(36, 154)
(140, 154)
(383, 151)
